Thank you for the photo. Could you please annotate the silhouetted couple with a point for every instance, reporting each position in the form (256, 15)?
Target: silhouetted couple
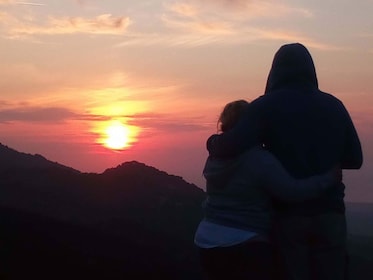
(275, 198)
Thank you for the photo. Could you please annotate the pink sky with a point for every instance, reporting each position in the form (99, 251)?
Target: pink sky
(167, 67)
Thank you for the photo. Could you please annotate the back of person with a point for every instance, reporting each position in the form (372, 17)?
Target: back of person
(235, 197)
(308, 132)
(306, 129)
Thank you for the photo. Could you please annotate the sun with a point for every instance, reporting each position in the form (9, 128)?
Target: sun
(117, 136)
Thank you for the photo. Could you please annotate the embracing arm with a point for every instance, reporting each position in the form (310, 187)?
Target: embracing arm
(279, 184)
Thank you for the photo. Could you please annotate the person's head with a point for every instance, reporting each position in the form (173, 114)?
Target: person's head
(292, 66)
(231, 114)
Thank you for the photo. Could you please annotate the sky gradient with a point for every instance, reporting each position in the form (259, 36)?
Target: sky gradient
(165, 69)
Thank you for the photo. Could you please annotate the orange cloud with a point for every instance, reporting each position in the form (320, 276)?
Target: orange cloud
(243, 8)
(224, 17)
(13, 2)
(289, 36)
(36, 114)
(102, 24)
(200, 26)
(168, 122)
(230, 22)
(198, 31)
(6, 2)
(184, 9)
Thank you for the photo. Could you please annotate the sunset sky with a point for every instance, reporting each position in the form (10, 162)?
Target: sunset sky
(71, 69)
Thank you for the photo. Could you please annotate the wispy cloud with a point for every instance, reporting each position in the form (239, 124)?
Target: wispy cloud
(146, 120)
(201, 26)
(200, 34)
(4, 103)
(195, 23)
(14, 2)
(81, 2)
(6, 2)
(30, 3)
(153, 122)
(289, 36)
(184, 9)
(236, 9)
(102, 24)
(166, 122)
(226, 17)
(36, 114)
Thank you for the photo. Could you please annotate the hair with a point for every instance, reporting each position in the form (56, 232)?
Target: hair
(231, 114)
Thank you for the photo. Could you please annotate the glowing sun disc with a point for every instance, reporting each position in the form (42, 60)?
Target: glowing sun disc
(117, 136)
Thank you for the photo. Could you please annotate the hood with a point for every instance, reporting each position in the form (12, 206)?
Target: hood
(292, 67)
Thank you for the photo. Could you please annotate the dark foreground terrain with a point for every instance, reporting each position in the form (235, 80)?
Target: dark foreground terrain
(130, 222)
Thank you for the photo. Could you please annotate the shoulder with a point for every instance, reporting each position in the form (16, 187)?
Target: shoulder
(261, 163)
(332, 103)
(259, 157)
(329, 97)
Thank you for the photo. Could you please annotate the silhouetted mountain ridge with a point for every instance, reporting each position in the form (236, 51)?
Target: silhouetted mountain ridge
(130, 221)
(139, 174)
(11, 159)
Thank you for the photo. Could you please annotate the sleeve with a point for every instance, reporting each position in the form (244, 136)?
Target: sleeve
(271, 174)
(352, 157)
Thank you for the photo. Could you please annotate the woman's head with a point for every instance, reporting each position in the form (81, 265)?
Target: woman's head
(231, 114)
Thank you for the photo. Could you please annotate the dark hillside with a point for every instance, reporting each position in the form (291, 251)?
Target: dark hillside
(38, 246)
(129, 222)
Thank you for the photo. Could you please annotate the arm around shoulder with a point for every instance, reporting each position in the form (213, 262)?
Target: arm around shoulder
(280, 184)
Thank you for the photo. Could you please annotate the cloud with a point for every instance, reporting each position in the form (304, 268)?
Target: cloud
(200, 26)
(150, 121)
(184, 9)
(237, 9)
(222, 33)
(290, 36)
(93, 117)
(36, 114)
(14, 2)
(165, 122)
(4, 103)
(6, 19)
(81, 2)
(102, 24)
(224, 17)
(29, 3)
(195, 23)
(7, 2)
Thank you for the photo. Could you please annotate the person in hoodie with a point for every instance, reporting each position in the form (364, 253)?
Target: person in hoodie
(234, 236)
(309, 131)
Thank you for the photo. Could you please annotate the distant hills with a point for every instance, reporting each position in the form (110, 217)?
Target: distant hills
(128, 222)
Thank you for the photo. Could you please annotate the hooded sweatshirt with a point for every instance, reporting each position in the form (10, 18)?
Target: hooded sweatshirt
(308, 130)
